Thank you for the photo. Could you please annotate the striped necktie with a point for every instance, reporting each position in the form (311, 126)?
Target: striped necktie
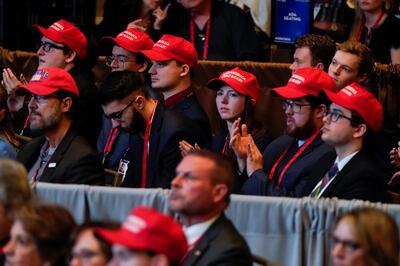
(325, 180)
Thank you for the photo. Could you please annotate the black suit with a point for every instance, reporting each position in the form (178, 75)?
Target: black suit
(167, 129)
(360, 178)
(296, 175)
(73, 162)
(221, 244)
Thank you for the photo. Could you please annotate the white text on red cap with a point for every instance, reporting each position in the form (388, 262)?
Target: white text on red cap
(296, 79)
(162, 44)
(40, 74)
(134, 224)
(233, 75)
(57, 26)
(128, 35)
(350, 91)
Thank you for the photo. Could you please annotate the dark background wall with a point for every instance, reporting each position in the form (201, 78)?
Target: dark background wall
(18, 16)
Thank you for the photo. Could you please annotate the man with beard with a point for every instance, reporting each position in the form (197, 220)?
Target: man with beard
(60, 155)
(200, 193)
(289, 158)
(155, 148)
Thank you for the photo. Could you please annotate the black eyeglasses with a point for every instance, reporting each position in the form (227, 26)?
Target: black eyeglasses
(40, 98)
(296, 107)
(121, 59)
(349, 245)
(334, 116)
(85, 255)
(47, 46)
(118, 115)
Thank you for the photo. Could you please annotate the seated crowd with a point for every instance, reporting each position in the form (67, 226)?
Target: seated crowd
(145, 123)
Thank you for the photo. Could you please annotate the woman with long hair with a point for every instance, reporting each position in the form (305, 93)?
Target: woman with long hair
(8, 141)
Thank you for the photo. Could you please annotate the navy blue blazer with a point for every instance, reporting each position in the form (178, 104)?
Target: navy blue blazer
(296, 175)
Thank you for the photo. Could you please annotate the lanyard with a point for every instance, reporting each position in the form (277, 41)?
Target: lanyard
(206, 40)
(41, 161)
(295, 156)
(110, 141)
(146, 145)
(369, 31)
(224, 150)
(26, 123)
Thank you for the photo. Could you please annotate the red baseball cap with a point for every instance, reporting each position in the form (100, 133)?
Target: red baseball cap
(46, 81)
(65, 32)
(148, 229)
(306, 81)
(132, 40)
(171, 47)
(239, 80)
(357, 98)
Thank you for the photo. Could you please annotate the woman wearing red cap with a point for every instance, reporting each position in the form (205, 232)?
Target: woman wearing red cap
(237, 93)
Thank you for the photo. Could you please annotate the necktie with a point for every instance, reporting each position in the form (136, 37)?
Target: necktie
(325, 180)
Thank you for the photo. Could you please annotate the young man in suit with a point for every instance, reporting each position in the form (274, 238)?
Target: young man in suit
(200, 193)
(173, 62)
(60, 155)
(282, 168)
(155, 147)
(349, 126)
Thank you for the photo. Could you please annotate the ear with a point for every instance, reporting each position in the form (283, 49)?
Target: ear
(319, 66)
(362, 78)
(159, 260)
(143, 67)
(66, 104)
(139, 102)
(185, 70)
(320, 111)
(70, 57)
(220, 192)
(360, 131)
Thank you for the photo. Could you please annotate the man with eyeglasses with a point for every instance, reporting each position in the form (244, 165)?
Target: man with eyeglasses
(66, 46)
(60, 155)
(155, 145)
(112, 144)
(289, 159)
(350, 124)
(173, 62)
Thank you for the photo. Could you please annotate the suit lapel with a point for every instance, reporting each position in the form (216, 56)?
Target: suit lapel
(154, 143)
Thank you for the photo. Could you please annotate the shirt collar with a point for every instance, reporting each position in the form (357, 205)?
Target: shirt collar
(194, 232)
(174, 99)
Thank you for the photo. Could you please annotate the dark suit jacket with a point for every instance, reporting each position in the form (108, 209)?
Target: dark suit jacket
(168, 128)
(221, 244)
(75, 161)
(296, 175)
(360, 178)
(191, 108)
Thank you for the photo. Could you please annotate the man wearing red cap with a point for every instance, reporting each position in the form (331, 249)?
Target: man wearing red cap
(112, 144)
(289, 158)
(349, 126)
(157, 132)
(60, 155)
(147, 237)
(200, 193)
(174, 59)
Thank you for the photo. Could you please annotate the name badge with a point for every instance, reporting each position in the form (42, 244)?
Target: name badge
(123, 167)
(52, 165)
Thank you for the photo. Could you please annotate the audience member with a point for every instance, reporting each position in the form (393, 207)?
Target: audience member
(350, 123)
(8, 142)
(113, 144)
(218, 30)
(353, 62)
(174, 60)
(157, 131)
(237, 93)
(289, 159)
(200, 193)
(365, 237)
(147, 237)
(88, 249)
(145, 15)
(313, 51)
(15, 194)
(39, 237)
(377, 28)
(60, 155)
